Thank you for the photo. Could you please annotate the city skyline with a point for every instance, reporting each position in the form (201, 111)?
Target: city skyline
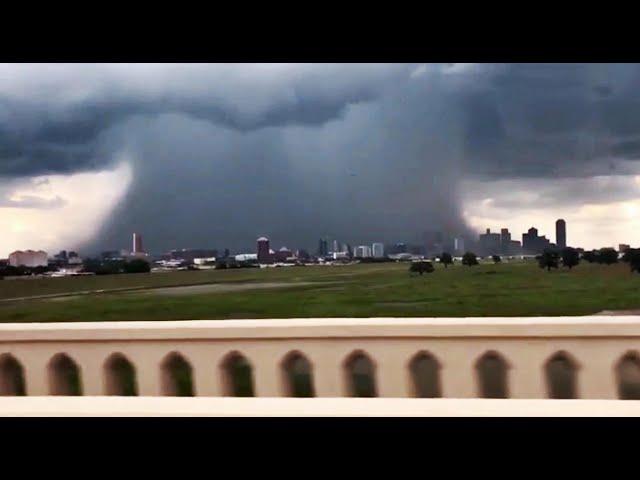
(434, 243)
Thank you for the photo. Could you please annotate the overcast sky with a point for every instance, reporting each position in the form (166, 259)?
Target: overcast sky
(196, 155)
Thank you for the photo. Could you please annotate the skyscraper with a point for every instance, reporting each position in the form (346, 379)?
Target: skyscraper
(561, 233)
(532, 243)
(505, 240)
(490, 242)
(263, 250)
(137, 243)
(378, 250)
(362, 251)
(323, 248)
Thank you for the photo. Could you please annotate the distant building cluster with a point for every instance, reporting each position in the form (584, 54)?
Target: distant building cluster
(532, 243)
(433, 245)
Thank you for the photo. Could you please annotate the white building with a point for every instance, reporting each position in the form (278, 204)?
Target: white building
(362, 251)
(340, 255)
(378, 250)
(246, 257)
(204, 261)
(28, 258)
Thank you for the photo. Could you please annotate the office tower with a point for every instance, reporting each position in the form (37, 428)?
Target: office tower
(505, 240)
(490, 242)
(561, 233)
(362, 251)
(137, 243)
(263, 250)
(378, 250)
(532, 243)
(323, 248)
(458, 246)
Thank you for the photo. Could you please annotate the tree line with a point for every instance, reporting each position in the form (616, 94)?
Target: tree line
(550, 258)
(112, 267)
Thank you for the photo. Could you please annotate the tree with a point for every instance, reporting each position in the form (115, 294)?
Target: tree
(102, 267)
(634, 262)
(137, 265)
(549, 259)
(629, 254)
(608, 256)
(591, 256)
(469, 259)
(421, 267)
(446, 259)
(221, 265)
(632, 257)
(91, 265)
(570, 257)
(496, 258)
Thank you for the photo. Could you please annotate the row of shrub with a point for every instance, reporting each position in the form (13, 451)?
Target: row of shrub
(112, 267)
(11, 271)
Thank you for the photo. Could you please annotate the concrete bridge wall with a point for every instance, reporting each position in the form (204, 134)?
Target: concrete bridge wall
(518, 349)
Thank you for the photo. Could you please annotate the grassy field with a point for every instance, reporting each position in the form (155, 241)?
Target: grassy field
(365, 290)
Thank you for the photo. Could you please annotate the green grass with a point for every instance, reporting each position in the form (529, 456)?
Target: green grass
(370, 290)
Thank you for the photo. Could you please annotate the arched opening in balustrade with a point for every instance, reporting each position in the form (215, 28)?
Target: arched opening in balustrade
(11, 376)
(64, 376)
(360, 375)
(120, 376)
(298, 375)
(561, 371)
(176, 376)
(492, 372)
(628, 376)
(237, 376)
(424, 370)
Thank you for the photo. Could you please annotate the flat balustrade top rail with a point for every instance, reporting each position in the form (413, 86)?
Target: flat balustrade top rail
(591, 326)
(309, 407)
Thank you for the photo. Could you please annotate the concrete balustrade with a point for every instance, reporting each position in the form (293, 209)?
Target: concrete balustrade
(520, 358)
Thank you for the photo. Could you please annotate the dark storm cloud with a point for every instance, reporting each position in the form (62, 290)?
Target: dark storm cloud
(221, 154)
(552, 120)
(56, 135)
(628, 149)
(358, 179)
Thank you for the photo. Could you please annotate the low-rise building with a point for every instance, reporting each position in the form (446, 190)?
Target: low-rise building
(28, 258)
